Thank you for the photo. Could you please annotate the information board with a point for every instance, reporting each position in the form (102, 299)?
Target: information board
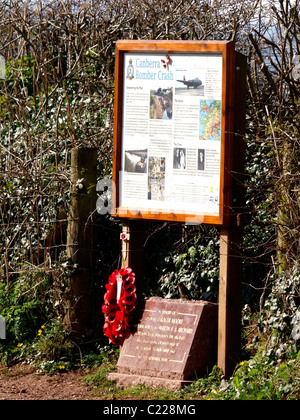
(173, 129)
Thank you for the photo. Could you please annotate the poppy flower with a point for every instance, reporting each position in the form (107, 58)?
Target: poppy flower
(128, 307)
(107, 308)
(111, 287)
(129, 290)
(120, 324)
(112, 278)
(127, 271)
(110, 297)
(108, 331)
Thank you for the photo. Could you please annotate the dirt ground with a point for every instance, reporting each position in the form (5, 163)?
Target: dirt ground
(21, 383)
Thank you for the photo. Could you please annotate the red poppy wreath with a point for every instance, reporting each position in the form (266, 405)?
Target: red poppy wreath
(119, 302)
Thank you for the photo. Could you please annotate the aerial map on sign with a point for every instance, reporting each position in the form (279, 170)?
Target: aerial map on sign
(210, 120)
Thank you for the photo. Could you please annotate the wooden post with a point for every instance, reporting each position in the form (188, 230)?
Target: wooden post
(133, 249)
(229, 336)
(80, 241)
(231, 240)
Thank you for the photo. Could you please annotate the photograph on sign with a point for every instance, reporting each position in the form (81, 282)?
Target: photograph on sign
(172, 134)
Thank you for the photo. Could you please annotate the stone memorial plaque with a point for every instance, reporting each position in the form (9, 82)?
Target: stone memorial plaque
(174, 342)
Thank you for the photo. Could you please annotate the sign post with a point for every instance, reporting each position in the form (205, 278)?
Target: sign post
(176, 152)
(231, 239)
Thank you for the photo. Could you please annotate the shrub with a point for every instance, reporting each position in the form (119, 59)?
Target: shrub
(197, 269)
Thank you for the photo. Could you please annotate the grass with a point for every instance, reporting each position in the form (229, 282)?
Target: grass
(260, 378)
(255, 379)
(105, 389)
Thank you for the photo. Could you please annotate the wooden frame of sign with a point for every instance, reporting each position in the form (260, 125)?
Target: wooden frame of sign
(173, 131)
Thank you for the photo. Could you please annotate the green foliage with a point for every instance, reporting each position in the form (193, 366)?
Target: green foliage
(202, 387)
(197, 269)
(257, 379)
(278, 317)
(36, 298)
(52, 346)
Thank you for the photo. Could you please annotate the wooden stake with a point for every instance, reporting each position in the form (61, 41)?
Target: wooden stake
(229, 300)
(80, 241)
(231, 239)
(133, 248)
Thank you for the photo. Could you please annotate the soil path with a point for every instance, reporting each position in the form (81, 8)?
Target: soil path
(19, 383)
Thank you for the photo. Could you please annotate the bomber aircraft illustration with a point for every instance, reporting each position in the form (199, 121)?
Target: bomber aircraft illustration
(195, 83)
